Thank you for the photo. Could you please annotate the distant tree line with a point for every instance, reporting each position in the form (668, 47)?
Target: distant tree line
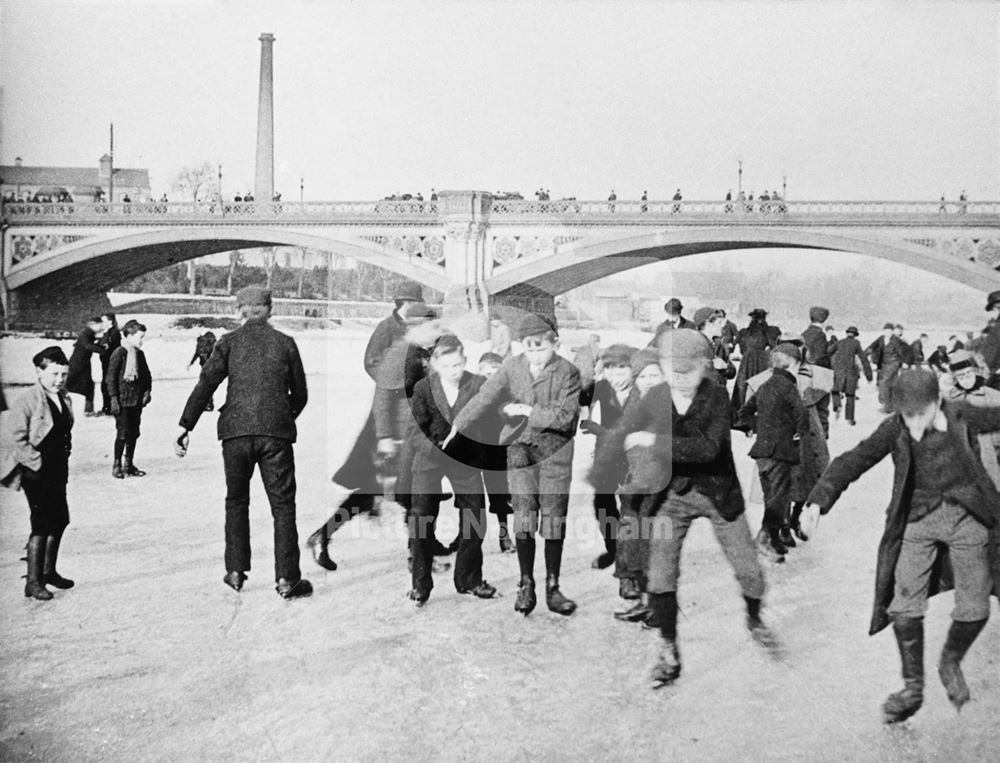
(362, 283)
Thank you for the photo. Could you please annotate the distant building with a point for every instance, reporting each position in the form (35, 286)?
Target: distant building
(82, 184)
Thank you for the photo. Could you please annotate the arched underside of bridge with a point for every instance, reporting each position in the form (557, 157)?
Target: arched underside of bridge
(98, 265)
(591, 259)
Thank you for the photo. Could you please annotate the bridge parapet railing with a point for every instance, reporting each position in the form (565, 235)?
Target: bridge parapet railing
(567, 210)
(214, 211)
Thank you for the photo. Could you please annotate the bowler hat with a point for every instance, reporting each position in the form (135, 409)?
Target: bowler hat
(415, 311)
(673, 306)
(758, 313)
(409, 291)
(889, 326)
(993, 300)
(253, 295)
(818, 314)
(51, 354)
(853, 330)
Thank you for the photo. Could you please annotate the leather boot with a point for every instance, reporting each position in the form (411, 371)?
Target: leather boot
(910, 639)
(116, 470)
(131, 470)
(960, 638)
(319, 546)
(668, 667)
(554, 598)
(526, 599)
(49, 574)
(34, 588)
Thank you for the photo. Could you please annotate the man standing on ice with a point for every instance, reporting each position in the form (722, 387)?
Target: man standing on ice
(265, 394)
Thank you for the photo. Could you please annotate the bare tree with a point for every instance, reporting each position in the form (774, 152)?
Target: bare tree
(197, 181)
(269, 255)
(234, 260)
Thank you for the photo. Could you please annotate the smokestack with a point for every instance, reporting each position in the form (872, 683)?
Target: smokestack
(264, 175)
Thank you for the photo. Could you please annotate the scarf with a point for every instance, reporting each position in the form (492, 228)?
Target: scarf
(131, 362)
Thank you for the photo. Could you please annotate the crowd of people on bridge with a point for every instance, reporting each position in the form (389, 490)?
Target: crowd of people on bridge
(504, 436)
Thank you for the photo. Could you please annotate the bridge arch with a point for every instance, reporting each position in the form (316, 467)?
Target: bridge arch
(595, 257)
(101, 262)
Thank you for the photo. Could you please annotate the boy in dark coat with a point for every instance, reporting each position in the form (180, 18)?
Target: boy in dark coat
(779, 418)
(130, 386)
(942, 498)
(80, 379)
(685, 423)
(545, 392)
(203, 347)
(266, 392)
(888, 354)
(845, 373)
(35, 443)
(608, 393)
(495, 458)
(436, 400)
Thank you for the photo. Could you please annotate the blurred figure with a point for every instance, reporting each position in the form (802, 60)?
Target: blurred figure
(80, 379)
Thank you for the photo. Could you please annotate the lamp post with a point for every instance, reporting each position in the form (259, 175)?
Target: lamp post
(220, 182)
(302, 189)
(784, 186)
(740, 187)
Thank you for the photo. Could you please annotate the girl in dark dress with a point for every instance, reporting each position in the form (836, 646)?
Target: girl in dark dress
(80, 380)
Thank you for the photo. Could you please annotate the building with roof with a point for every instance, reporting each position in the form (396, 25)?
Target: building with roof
(19, 182)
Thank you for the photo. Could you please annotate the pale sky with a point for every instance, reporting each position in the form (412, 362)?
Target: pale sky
(880, 100)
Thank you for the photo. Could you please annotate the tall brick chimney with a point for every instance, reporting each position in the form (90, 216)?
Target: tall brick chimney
(264, 175)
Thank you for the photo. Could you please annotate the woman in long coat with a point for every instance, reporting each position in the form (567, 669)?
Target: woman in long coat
(755, 342)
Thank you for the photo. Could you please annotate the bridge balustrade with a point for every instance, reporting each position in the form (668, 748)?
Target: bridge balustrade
(605, 212)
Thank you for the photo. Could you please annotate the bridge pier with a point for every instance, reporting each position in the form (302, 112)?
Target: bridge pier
(36, 308)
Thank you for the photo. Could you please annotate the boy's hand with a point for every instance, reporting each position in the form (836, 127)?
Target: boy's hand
(181, 443)
(640, 440)
(588, 426)
(116, 408)
(809, 520)
(146, 398)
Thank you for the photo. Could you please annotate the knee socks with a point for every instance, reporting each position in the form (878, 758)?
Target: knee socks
(553, 556)
(664, 606)
(119, 449)
(526, 555)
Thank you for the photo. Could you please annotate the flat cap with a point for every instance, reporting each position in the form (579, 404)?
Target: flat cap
(51, 354)
(253, 295)
(786, 348)
(703, 314)
(686, 349)
(533, 325)
(409, 290)
(818, 314)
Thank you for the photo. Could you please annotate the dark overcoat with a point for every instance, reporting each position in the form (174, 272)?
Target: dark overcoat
(777, 414)
(845, 364)
(129, 392)
(78, 379)
(433, 416)
(817, 346)
(892, 436)
(693, 451)
(267, 383)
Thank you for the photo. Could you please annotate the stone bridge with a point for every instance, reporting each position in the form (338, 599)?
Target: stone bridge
(482, 252)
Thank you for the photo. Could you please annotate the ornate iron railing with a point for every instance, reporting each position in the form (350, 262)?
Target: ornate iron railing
(604, 212)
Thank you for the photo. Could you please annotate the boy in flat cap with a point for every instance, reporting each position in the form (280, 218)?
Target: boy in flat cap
(35, 444)
(129, 386)
(609, 394)
(845, 362)
(544, 390)
(266, 392)
(778, 417)
(685, 423)
(942, 498)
